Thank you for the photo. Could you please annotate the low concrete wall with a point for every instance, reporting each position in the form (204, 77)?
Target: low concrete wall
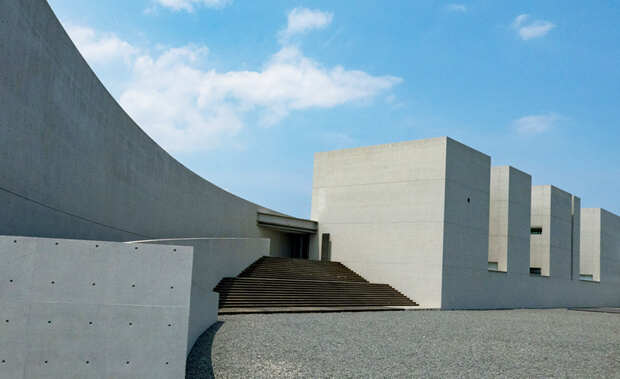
(214, 259)
(78, 309)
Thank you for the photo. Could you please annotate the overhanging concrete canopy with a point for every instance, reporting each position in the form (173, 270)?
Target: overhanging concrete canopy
(287, 223)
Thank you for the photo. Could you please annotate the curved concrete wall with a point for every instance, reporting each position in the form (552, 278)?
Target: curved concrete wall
(74, 164)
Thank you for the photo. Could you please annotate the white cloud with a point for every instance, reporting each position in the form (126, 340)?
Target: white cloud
(186, 108)
(100, 47)
(456, 8)
(188, 5)
(531, 125)
(533, 29)
(302, 20)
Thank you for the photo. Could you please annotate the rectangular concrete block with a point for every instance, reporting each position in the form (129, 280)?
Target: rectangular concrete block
(76, 308)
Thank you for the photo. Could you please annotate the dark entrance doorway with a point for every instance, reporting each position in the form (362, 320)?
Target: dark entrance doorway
(301, 244)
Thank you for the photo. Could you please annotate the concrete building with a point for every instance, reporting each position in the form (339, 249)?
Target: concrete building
(435, 221)
(110, 249)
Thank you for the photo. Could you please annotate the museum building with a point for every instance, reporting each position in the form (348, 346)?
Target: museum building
(111, 250)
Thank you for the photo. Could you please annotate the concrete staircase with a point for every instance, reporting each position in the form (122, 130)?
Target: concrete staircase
(279, 285)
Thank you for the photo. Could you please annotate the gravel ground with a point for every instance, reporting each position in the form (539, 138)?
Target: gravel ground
(513, 343)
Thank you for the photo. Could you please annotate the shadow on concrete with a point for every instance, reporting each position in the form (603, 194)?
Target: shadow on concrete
(199, 364)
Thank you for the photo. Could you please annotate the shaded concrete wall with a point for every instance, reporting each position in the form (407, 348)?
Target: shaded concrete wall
(79, 309)
(383, 207)
(509, 219)
(74, 164)
(466, 223)
(600, 245)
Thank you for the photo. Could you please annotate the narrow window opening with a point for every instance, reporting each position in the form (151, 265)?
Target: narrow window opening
(536, 230)
(535, 271)
(493, 266)
(587, 278)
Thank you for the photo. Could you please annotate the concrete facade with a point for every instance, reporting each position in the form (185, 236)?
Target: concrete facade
(74, 164)
(428, 216)
(387, 209)
(509, 219)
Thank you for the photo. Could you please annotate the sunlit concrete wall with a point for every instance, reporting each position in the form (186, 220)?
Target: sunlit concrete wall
(82, 309)
(405, 213)
(416, 215)
(383, 207)
(74, 308)
(590, 262)
(74, 164)
(509, 219)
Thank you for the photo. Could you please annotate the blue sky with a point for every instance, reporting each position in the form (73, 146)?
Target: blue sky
(244, 92)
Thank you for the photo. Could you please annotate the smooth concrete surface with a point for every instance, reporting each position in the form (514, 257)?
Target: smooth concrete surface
(383, 207)
(213, 259)
(78, 309)
(74, 164)
(509, 219)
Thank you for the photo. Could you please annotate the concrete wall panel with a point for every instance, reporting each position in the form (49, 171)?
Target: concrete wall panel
(383, 207)
(75, 308)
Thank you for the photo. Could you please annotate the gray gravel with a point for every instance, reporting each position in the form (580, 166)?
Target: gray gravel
(514, 343)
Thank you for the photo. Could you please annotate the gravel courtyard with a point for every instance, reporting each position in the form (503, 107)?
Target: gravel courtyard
(406, 344)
